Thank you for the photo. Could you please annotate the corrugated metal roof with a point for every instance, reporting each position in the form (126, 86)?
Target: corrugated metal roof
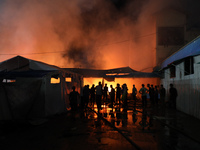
(191, 49)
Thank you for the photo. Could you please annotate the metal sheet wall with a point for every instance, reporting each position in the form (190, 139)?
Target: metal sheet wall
(188, 88)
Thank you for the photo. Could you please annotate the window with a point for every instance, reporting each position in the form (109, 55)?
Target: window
(189, 66)
(172, 71)
(55, 80)
(68, 79)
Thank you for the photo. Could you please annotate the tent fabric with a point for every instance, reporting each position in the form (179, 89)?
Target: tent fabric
(191, 49)
(33, 95)
(112, 73)
(20, 63)
(22, 100)
(29, 73)
(16, 63)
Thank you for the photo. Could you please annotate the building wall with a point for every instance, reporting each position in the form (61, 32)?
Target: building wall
(188, 88)
(169, 20)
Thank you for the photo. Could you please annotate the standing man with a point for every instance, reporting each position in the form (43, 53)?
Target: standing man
(134, 92)
(152, 94)
(105, 93)
(98, 96)
(73, 99)
(92, 94)
(172, 96)
(112, 95)
(143, 91)
(124, 95)
(162, 94)
(118, 92)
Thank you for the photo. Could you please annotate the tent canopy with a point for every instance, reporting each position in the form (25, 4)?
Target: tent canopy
(113, 73)
(22, 67)
(19, 63)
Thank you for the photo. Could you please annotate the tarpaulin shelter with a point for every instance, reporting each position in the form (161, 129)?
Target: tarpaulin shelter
(124, 75)
(124, 72)
(27, 92)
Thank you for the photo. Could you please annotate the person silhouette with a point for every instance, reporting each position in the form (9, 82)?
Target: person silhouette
(92, 94)
(105, 93)
(172, 96)
(112, 95)
(118, 93)
(143, 91)
(98, 96)
(73, 98)
(162, 92)
(134, 92)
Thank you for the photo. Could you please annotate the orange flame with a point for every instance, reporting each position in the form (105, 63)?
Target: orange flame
(129, 81)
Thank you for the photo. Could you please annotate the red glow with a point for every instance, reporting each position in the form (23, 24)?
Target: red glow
(128, 43)
(129, 81)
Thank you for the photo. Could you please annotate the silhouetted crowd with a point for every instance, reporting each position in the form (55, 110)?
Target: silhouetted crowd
(118, 96)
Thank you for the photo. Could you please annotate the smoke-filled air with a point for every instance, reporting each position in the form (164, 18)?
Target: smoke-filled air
(99, 34)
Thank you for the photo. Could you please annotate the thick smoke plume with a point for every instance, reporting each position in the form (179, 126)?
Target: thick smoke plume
(81, 33)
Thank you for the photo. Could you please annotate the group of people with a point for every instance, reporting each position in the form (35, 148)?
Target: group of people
(102, 92)
(119, 94)
(156, 94)
(98, 94)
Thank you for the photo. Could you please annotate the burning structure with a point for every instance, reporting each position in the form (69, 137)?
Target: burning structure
(117, 75)
(98, 34)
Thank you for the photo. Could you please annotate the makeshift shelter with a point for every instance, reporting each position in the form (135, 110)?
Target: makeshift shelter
(118, 75)
(27, 89)
(124, 72)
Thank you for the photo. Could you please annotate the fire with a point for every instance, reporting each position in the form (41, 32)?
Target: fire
(129, 81)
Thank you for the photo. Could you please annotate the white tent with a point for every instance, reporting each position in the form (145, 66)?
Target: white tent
(27, 90)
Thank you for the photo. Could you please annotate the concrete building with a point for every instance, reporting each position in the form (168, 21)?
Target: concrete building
(172, 32)
(183, 70)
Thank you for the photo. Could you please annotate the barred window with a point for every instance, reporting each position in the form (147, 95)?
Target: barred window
(189, 66)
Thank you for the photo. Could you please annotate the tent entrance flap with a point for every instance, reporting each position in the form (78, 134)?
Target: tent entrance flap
(23, 99)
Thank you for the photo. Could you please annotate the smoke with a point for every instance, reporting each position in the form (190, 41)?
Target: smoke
(81, 33)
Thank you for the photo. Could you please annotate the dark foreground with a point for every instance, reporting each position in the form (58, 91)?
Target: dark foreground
(152, 128)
